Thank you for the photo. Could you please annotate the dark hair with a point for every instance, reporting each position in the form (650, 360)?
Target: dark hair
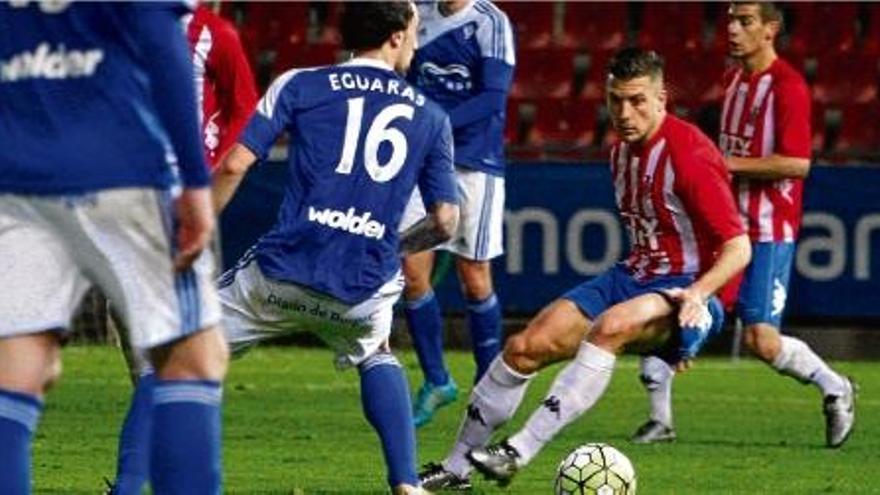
(631, 63)
(368, 25)
(769, 12)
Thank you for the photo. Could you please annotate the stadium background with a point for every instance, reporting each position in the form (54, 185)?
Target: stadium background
(560, 220)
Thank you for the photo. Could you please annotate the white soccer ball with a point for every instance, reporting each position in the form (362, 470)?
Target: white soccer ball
(595, 468)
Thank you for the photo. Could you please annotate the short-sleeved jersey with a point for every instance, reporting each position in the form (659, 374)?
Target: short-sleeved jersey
(225, 87)
(361, 138)
(448, 67)
(76, 109)
(674, 196)
(767, 113)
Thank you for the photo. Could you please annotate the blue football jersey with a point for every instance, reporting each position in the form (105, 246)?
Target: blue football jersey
(95, 96)
(460, 56)
(361, 138)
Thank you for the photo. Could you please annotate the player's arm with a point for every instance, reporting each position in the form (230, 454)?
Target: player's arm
(273, 114)
(229, 174)
(492, 98)
(435, 229)
(498, 59)
(166, 59)
(791, 157)
(706, 193)
(440, 195)
(769, 167)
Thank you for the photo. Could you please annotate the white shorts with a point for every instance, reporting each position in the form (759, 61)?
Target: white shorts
(481, 220)
(54, 248)
(256, 308)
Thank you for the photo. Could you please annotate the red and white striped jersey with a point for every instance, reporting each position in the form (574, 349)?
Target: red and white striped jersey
(674, 196)
(225, 86)
(767, 113)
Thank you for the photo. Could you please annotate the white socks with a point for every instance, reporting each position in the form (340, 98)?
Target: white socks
(493, 402)
(656, 376)
(576, 389)
(797, 360)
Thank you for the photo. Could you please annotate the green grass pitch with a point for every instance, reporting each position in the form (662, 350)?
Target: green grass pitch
(293, 425)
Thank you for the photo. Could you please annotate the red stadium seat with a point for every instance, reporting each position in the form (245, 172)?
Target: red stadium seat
(851, 78)
(273, 23)
(870, 44)
(859, 130)
(672, 28)
(302, 55)
(593, 84)
(532, 22)
(563, 127)
(820, 28)
(595, 25)
(694, 78)
(545, 72)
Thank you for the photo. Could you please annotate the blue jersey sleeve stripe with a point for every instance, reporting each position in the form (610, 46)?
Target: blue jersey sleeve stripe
(502, 31)
(493, 45)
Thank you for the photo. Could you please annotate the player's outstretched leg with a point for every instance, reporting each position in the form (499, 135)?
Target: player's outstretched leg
(385, 399)
(185, 443)
(575, 390)
(493, 402)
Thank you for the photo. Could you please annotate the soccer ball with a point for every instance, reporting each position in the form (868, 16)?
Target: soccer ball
(595, 468)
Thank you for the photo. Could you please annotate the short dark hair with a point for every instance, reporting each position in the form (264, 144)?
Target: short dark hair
(368, 25)
(769, 12)
(631, 63)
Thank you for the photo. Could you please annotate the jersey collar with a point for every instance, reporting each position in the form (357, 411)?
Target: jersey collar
(367, 62)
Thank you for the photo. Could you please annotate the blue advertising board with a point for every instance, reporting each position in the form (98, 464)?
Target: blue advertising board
(561, 229)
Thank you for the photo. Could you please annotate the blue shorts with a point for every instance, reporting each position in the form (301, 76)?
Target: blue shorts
(616, 286)
(764, 287)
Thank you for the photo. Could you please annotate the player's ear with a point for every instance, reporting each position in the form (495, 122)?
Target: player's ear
(771, 31)
(397, 38)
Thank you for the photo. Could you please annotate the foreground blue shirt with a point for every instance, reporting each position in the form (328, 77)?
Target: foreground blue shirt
(96, 96)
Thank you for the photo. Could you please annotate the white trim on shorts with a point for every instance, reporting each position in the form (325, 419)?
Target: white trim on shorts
(479, 236)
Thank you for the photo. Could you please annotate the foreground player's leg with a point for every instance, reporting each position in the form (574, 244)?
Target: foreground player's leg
(186, 442)
(578, 386)
(385, 399)
(793, 357)
(483, 312)
(25, 368)
(133, 462)
(425, 325)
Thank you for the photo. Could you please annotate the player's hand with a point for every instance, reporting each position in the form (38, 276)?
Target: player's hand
(195, 217)
(691, 306)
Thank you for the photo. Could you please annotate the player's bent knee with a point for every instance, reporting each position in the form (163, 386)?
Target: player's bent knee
(201, 356)
(763, 341)
(53, 374)
(613, 331)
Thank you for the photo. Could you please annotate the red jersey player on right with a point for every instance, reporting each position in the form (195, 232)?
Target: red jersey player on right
(765, 135)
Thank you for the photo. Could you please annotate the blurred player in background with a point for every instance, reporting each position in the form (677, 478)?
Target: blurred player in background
(465, 63)
(362, 138)
(765, 135)
(95, 122)
(687, 241)
(226, 95)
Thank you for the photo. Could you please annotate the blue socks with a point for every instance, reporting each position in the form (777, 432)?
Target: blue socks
(426, 329)
(484, 322)
(133, 463)
(385, 398)
(19, 414)
(185, 449)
